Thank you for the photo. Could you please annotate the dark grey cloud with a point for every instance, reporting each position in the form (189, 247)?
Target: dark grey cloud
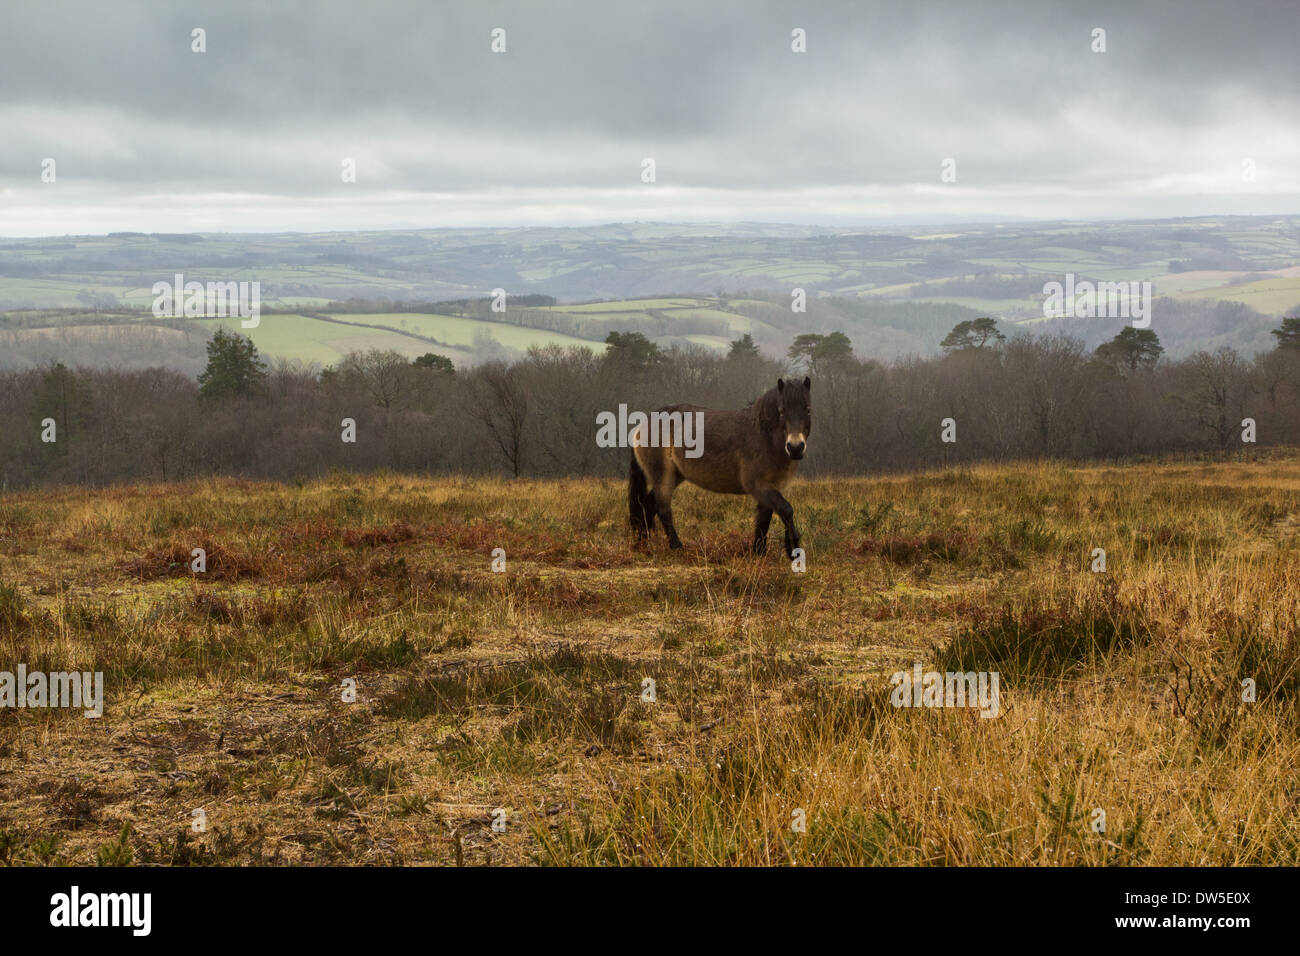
(252, 132)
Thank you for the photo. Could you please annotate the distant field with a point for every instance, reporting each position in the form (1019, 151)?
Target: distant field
(626, 305)
(684, 308)
(1276, 296)
(1175, 282)
(310, 338)
(525, 695)
(716, 342)
(461, 331)
(314, 340)
(990, 306)
(1270, 296)
(54, 292)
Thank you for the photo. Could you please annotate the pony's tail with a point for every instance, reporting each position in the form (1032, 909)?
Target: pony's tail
(640, 499)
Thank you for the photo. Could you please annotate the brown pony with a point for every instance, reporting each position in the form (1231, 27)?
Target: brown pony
(752, 452)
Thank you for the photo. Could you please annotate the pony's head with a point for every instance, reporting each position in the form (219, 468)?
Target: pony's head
(788, 409)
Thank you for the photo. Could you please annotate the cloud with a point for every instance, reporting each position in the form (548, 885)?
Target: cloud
(252, 133)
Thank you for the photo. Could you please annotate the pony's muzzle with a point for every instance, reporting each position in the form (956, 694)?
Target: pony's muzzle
(795, 449)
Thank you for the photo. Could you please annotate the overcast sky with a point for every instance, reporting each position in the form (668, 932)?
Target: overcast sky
(251, 135)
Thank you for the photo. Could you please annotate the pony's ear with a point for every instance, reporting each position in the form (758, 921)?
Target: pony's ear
(780, 385)
(807, 384)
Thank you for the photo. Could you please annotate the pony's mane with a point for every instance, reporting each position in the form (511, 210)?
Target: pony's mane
(767, 410)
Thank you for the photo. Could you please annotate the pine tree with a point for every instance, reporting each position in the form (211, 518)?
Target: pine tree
(234, 368)
(743, 348)
(1132, 349)
(1288, 336)
(972, 334)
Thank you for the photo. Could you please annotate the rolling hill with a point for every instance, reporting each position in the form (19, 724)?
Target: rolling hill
(895, 292)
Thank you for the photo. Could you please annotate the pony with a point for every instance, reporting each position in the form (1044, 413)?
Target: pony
(753, 451)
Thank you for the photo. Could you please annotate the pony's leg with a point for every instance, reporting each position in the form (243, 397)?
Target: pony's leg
(762, 521)
(664, 508)
(776, 501)
(641, 502)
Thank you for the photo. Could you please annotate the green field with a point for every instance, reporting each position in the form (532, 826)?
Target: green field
(627, 305)
(314, 340)
(1270, 296)
(458, 330)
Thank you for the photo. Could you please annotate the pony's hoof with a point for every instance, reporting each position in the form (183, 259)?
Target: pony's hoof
(674, 545)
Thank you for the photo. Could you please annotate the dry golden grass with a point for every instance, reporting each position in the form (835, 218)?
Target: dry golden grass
(522, 690)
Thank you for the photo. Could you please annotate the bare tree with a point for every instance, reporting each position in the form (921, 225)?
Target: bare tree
(1214, 393)
(385, 375)
(499, 402)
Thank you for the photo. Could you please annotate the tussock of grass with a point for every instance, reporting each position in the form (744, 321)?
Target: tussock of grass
(12, 606)
(1044, 639)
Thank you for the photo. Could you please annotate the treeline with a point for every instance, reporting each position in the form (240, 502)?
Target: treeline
(113, 343)
(1024, 397)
